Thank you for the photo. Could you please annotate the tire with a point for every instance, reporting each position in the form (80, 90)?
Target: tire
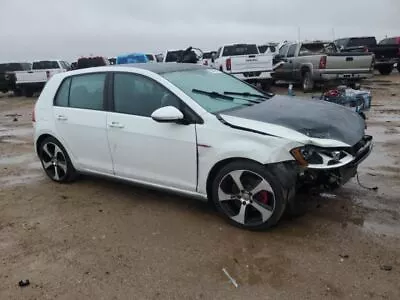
(385, 70)
(398, 67)
(28, 93)
(307, 82)
(56, 162)
(237, 201)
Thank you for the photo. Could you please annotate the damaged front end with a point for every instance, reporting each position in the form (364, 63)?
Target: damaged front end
(329, 168)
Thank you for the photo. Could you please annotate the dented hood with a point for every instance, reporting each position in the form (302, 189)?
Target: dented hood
(312, 118)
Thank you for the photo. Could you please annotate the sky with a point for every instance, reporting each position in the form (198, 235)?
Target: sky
(51, 29)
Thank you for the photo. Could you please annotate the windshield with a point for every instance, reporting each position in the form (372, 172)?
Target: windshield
(236, 50)
(212, 81)
(363, 41)
(45, 64)
(14, 67)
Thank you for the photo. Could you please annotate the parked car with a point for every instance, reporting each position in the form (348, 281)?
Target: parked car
(151, 58)
(194, 130)
(112, 60)
(386, 55)
(132, 58)
(172, 55)
(319, 62)
(91, 62)
(393, 41)
(268, 48)
(245, 62)
(208, 58)
(33, 81)
(8, 77)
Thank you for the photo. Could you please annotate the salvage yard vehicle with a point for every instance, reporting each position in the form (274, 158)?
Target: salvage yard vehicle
(208, 57)
(172, 55)
(7, 76)
(91, 62)
(386, 54)
(245, 62)
(151, 58)
(33, 81)
(132, 58)
(314, 62)
(197, 131)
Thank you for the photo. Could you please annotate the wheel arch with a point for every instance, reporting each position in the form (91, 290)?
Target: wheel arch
(218, 166)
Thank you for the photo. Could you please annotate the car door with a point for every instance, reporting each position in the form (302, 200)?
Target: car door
(142, 149)
(280, 72)
(81, 121)
(290, 66)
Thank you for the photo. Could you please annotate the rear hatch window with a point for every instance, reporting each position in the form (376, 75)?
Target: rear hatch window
(89, 62)
(150, 57)
(11, 67)
(244, 49)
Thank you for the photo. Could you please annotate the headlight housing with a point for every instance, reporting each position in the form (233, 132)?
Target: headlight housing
(321, 158)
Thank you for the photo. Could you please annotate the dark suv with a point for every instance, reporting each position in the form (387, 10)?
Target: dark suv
(7, 76)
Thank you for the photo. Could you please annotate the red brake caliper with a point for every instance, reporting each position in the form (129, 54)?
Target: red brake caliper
(263, 196)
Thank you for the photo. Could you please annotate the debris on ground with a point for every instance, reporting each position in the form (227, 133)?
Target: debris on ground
(386, 268)
(15, 120)
(230, 278)
(344, 256)
(24, 283)
(327, 195)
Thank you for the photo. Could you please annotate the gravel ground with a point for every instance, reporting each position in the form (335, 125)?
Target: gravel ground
(99, 239)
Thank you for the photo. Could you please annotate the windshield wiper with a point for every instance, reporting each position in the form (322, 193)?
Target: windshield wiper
(213, 94)
(246, 94)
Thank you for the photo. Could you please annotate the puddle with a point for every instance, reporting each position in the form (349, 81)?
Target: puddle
(16, 160)
(26, 179)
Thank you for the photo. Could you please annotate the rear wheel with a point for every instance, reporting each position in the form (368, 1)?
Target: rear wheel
(385, 70)
(55, 161)
(307, 82)
(248, 195)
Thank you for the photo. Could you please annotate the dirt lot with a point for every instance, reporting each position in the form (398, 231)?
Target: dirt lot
(97, 239)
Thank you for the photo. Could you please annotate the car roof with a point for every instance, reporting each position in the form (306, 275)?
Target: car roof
(158, 68)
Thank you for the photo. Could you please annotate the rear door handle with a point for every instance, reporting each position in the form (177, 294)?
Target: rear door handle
(62, 118)
(116, 125)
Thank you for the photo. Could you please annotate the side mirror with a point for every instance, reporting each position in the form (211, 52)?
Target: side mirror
(167, 114)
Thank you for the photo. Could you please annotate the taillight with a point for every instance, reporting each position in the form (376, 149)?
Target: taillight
(322, 62)
(33, 115)
(48, 74)
(228, 64)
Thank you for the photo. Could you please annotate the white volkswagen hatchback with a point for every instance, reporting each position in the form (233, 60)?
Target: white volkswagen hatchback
(196, 131)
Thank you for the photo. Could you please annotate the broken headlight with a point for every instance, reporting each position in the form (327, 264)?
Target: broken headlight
(310, 156)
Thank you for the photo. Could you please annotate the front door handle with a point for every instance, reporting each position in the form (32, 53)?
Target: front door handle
(62, 118)
(116, 125)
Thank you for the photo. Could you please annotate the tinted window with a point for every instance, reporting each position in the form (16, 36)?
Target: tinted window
(172, 56)
(63, 93)
(236, 50)
(40, 65)
(89, 62)
(140, 96)
(150, 57)
(208, 55)
(363, 41)
(87, 91)
(292, 50)
(13, 67)
(283, 50)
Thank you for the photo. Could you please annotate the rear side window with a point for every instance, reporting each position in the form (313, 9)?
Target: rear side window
(87, 91)
(63, 94)
(172, 56)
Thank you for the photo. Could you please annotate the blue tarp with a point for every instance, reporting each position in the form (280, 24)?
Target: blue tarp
(132, 58)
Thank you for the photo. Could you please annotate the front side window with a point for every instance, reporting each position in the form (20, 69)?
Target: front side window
(210, 80)
(87, 91)
(283, 50)
(137, 95)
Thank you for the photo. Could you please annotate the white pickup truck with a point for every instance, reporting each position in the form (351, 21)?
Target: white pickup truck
(245, 62)
(33, 81)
